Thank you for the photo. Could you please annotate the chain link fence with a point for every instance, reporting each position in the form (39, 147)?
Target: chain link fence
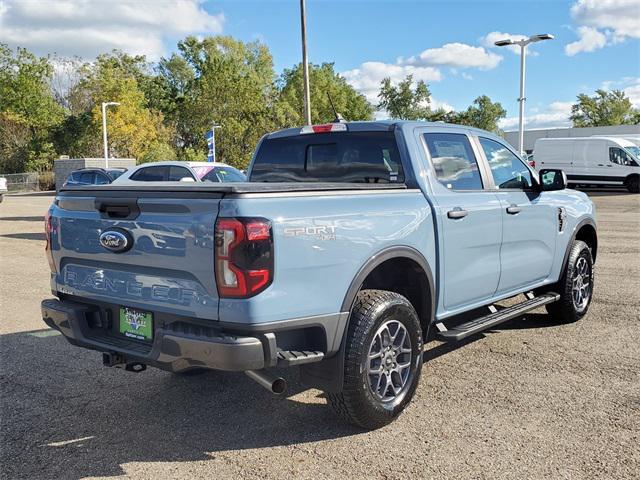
(29, 182)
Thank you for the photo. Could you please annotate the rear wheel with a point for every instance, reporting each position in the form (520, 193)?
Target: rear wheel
(383, 360)
(575, 287)
(633, 184)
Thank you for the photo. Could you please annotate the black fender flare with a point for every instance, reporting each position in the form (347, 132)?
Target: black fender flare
(574, 233)
(328, 375)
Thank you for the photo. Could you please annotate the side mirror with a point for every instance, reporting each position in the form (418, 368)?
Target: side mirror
(552, 179)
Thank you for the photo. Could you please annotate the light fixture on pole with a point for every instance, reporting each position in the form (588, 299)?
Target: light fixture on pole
(104, 131)
(305, 64)
(522, 43)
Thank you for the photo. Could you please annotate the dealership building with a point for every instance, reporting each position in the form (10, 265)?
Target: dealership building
(530, 136)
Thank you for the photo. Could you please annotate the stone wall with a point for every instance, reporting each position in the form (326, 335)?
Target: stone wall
(62, 168)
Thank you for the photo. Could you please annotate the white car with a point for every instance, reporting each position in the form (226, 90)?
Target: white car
(182, 172)
(3, 187)
(592, 160)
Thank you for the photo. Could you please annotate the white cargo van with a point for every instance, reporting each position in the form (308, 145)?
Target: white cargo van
(592, 160)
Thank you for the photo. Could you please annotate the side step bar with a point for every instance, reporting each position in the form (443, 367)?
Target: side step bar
(497, 317)
(289, 358)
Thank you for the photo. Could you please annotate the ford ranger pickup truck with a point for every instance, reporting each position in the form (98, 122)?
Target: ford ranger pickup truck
(350, 245)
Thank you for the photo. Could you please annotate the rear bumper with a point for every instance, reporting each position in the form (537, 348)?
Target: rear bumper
(181, 343)
(170, 350)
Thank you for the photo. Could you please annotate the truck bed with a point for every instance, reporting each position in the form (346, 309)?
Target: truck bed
(225, 188)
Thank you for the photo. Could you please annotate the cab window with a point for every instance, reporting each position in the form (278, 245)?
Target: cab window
(453, 160)
(620, 157)
(508, 170)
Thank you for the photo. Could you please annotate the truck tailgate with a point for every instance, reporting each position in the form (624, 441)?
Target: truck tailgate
(168, 264)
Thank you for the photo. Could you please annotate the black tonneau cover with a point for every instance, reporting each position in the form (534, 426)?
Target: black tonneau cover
(221, 188)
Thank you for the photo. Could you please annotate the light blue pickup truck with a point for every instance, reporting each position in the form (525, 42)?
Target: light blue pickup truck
(352, 244)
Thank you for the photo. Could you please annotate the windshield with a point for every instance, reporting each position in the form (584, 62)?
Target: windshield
(635, 151)
(224, 174)
(341, 157)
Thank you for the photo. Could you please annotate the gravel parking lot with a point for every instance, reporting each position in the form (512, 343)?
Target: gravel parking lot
(530, 400)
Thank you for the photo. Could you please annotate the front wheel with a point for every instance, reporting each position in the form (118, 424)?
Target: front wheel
(575, 286)
(383, 360)
(633, 184)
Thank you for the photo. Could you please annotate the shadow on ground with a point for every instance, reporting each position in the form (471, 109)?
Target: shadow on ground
(25, 236)
(64, 415)
(35, 218)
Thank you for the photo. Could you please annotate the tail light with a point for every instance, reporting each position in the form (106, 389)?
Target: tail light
(48, 234)
(243, 256)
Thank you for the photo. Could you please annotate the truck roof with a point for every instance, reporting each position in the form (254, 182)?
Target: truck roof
(380, 126)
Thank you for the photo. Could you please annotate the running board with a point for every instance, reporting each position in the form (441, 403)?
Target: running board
(497, 317)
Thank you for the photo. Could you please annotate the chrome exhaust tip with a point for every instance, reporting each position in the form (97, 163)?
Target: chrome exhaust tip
(276, 385)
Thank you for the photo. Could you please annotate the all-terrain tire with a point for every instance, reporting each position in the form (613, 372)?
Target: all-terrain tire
(373, 312)
(580, 263)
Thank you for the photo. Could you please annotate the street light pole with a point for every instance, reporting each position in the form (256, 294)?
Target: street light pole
(104, 131)
(523, 54)
(522, 99)
(305, 63)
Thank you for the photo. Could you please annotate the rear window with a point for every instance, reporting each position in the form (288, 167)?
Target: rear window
(341, 157)
(162, 173)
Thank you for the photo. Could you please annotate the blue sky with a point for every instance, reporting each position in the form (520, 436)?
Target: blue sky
(446, 43)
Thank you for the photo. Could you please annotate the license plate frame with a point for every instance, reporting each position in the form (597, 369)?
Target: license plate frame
(135, 324)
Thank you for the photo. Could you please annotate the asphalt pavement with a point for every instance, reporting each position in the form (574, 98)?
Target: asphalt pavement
(528, 400)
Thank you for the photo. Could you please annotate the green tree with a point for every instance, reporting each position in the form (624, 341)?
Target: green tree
(404, 102)
(604, 108)
(324, 82)
(227, 82)
(28, 111)
(483, 113)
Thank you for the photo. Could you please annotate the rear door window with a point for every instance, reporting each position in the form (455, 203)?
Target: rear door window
(102, 179)
(151, 174)
(453, 161)
(341, 157)
(178, 173)
(87, 177)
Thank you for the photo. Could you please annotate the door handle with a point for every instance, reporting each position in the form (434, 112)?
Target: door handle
(513, 209)
(609, 166)
(457, 213)
(600, 165)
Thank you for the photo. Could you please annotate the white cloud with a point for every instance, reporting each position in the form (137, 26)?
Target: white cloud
(622, 17)
(491, 38)
(604, 22)
(556, 115)
(458, 55)
(88, 27)
(590, 39)
(366, 79)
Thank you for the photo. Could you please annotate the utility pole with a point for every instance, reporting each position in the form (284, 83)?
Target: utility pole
(104, 131)
(305, 64)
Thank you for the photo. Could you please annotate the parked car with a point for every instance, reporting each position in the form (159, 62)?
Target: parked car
(3, 187)
(592, 160)
(350, 243)
(183, 172)
(94, 176)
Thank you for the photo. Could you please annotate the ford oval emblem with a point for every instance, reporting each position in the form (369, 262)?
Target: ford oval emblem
(116, 240)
